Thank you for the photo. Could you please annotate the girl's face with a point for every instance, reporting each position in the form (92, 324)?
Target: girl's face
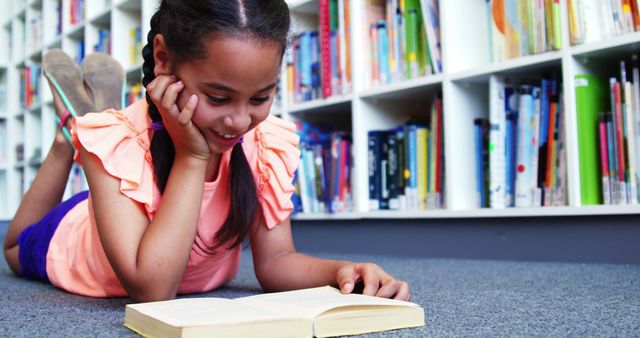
(235, 84)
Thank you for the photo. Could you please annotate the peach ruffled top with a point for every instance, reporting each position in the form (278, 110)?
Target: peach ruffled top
(76, 260)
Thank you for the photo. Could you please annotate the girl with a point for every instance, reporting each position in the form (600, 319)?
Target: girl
(179, 179)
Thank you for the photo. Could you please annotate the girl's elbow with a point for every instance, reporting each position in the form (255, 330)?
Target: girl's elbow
(150, 295)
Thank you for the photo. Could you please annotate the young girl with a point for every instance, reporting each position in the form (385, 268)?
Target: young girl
(179, 179)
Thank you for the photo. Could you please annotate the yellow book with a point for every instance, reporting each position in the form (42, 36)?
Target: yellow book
(422, 137)
(319, 312)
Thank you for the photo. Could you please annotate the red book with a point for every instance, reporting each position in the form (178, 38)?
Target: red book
(619, 129)
(439, 157)
(325, 48)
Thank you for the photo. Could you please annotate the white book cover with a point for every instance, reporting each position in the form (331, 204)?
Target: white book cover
(497, 135)
(534, 124)
(523, 195)
(632, 190)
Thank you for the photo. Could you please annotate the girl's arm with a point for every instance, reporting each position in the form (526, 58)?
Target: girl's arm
(279, 267)
(148, 258)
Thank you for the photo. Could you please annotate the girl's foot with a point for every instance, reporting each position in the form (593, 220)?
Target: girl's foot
(104, 79)
(69, 92)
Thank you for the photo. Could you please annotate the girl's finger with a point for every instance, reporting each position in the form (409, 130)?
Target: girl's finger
(159, 86)
(388, 289)
(371, 280)
(187, 112)
(170, 96)
(347, 279)
(403, 292)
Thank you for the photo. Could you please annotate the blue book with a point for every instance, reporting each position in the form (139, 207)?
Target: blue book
(479, 133)
(383, 52)
(374, 146)
(411, 189)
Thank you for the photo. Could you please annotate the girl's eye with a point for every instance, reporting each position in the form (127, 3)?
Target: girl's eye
(217, 100)
(259, 100)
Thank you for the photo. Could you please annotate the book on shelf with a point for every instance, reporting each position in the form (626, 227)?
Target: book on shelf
(323, 179)
(525, 145)
(402, 40)
(29, 85)
(76, 12)
(406, 165)
(319, 312)
(135, 48)
(319, 65)
(104, 41)
(519, 28)
(594, 20)
(608, 136)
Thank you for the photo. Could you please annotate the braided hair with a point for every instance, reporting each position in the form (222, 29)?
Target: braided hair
(185, 26)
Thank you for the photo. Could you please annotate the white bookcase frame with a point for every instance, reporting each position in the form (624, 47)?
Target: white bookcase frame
(463, 83)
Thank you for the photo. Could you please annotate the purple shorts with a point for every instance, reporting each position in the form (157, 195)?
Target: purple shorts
(33, 242)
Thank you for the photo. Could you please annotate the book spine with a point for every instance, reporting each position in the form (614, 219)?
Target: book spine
(619, 125)
(632, 191)
(422, 135)
(589, 101)
(497, 116)
(604, 160)
(325, 46)
(479, 152)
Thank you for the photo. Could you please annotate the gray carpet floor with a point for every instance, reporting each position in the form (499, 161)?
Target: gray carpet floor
(460, 298)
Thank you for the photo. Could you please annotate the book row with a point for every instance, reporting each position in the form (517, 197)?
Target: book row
(593, 20)
(323, 177)
(523, 27)
(319, 64)
(520, 148)
(29, 86)
(609, 135)
(403, 40)
(406, 165)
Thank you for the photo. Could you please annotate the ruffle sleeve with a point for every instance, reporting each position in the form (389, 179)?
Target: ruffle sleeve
(121, 140)
(277, 161)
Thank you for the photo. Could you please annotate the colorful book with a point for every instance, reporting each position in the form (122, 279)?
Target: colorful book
(590, 99)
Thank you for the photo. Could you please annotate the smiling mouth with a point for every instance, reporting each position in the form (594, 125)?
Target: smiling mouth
(226, 136)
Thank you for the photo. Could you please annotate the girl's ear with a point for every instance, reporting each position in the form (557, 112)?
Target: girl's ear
(161, 56)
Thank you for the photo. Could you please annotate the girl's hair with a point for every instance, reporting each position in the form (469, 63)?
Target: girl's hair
(186, 26)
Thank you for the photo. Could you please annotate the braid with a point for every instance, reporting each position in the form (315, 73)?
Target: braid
(162, 149)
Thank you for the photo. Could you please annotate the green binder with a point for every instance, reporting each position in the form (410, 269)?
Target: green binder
(591, 99)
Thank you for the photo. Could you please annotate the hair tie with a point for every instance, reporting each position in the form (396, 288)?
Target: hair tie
(241, 139)
(157, 126)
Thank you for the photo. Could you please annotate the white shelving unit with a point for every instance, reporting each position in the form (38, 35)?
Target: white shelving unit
(28, 29)
(463, 83)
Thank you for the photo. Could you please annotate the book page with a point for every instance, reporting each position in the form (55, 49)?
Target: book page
(205, 311)
(311, 302)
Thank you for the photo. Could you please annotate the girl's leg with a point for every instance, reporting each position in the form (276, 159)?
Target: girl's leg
(45, 192)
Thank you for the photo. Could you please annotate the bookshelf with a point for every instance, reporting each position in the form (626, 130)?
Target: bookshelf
(28, 28)
(463, 84)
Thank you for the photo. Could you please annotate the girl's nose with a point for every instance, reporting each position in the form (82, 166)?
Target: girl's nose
(238, 120)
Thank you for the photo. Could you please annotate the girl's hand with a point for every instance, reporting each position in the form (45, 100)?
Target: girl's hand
(376, 281)
(187, 138)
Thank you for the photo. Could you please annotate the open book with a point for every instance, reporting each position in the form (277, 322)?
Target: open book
(319, 312)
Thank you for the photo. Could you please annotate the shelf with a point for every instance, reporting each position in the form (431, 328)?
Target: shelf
(4, 166)
(627, 43)
(403, 88)
(19, 165)
(36, 3)
(102, 19)
(478, 213)
(325, 217)
(36, 56)
(56, 43)
(35, 108)
(304, 6)
(320, 105)
(129, 5)
(77, 32)
(518, 66)
(134, 72)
